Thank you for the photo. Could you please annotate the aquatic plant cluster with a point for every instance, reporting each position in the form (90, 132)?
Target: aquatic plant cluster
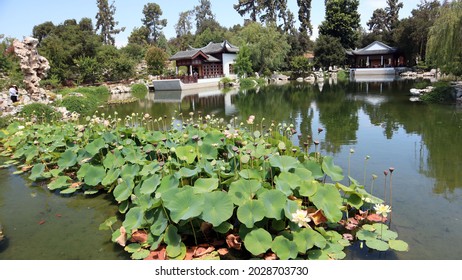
(198, 187)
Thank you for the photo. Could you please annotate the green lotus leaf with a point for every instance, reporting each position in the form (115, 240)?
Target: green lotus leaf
(284, 163)
(31, 153)
(180, 256)
(223, 228)
(37, 172)
(132, 247)
(378, 245)
(329, 200)
(207, 151)
(150, 184)
(67, 159)
(366, 235)
(250, 174)
(187, 173)
(108, 161)
(160, 222)
(387, 235)
(355, 201)
(284, 248)
(205, 185)
(318, 254)
(173, 241)
(133, 219)
(150, 169)
(315, 168)
(304, 174)
(107, 224)
(219, 208)
(245, 159)
(335, 172)
(308, 188)
(94, 175)
(287, 182)
(290, 208)
(130, 171)
(306, 238)
(258, 241)
(133, 155)
(274, 201)
(250, 212)
(243, 190)
(369, 227)
(398, 245)
(123, 190)
(59, 183)
(93, 147)
(344, 188)
(335, 251)
(183, 203)
(167, 183)
(69, 190)
(109, 137)
(111, 176)
(186, 153)
(140, 254)
(83, 171)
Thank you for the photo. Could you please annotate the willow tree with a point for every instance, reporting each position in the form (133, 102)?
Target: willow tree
(443, 47)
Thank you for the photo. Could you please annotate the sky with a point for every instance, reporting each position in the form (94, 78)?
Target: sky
(18, 17)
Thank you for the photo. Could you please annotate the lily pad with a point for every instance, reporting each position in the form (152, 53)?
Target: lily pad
(219, 208)
(329, 200)
(186, 153)
(398, 245)
(378, 245)
(284, 163)
(284, 248)
(251, 212)
(258, 241)
(59, 183)
(335, 172)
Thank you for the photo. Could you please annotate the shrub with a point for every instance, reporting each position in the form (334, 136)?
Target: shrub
(247, 83)
(442, 93)
(83, 105)
(40, 111)
(4, 121)
(139, 90)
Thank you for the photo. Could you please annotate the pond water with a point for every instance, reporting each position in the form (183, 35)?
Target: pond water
(375, 119)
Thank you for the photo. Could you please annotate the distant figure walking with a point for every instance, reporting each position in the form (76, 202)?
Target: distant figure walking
(14, 93)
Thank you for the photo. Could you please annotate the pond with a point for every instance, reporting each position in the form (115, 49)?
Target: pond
(358, 119)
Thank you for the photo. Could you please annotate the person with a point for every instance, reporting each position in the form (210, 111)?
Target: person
(14, 93)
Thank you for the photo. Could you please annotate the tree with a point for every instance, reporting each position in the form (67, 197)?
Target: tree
(304, 16)
(139, 36)
(155, 59)
(184, 24)
(105, 21)
(379, 21)
(243, 65)
(152, 21)
(328, 51)
(392, 11)
(203, 14)
(443, 48)
(41, 31)
(342, 21)
(250, 7)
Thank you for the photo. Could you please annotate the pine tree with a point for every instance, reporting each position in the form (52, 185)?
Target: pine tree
(251, 7)
(105, 21)
(152, 21)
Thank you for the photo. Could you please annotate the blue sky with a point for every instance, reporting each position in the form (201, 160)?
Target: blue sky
(18, 17)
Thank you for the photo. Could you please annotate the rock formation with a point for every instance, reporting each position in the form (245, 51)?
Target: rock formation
(33, 66)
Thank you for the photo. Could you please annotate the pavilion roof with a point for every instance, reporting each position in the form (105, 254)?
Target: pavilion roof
(375, 48)
(206, 52)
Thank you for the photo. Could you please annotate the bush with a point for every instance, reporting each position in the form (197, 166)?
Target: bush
(247, 83)
(139, 90)
(80, 104)
(40, 111)
(4, 121)
(442, 93)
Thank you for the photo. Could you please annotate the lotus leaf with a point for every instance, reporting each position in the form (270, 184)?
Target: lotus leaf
(130, 171)
(111, 177)
(173, 241)
(223, 228)
(150, 169)
(137, 251)
(366, 235)
(378, 245)
(37, 172)
(306, 238)
(290, 208)
(318, 255)
(183, 203)
(160, 222)
(150, 184)
(205, 185)
(167, 183)
(387, 235)
(133, 219)
(355, 201)
(187, 173)
(109, 137)
(67, 159)
(258, 241)
(243, 190)
(287, 182)
(274, 201)
(398, 245)
(186, 153)
(94, 175)
(68, 191)
(59, 183)
(107, 224)
(309, 188)
(329, 200)
(335, 172)
(95, 146)
(335, 251)
(284, 163)
(344, 188)
(207, 151)
(250, 174)
(219, 208)
(315, 168)
(124, 189)
(133, 155)
(31, 153)
(251, 212)
(284, 248)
